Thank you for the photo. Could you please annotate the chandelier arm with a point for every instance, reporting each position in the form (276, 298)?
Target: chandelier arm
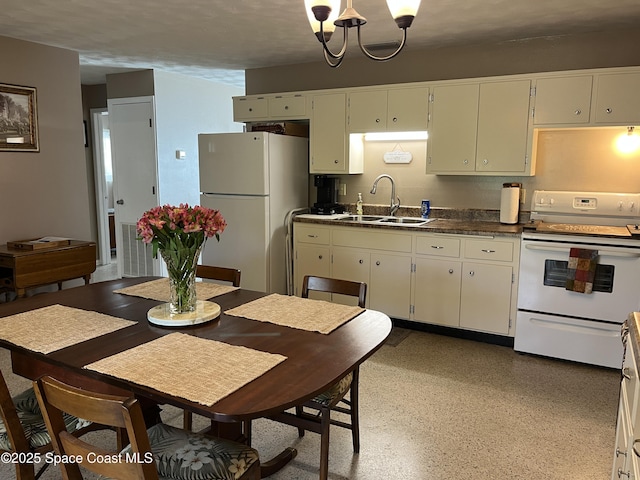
(388, 57)
(327, 50)
(330, 62)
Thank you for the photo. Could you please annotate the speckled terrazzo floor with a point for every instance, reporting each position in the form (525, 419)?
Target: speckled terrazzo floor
(435, 407)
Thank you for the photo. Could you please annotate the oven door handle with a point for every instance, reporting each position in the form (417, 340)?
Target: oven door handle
(607, 252)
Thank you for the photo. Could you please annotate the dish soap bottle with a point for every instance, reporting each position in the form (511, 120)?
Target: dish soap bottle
(359, 205)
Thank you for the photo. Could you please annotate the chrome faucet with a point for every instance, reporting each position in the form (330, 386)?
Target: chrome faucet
(395, 205)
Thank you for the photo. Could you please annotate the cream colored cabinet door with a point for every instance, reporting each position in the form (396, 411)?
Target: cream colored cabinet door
(247, 109)
(437, 291)
(407, 109)
(311, 259)
(453, 128)
(390, 284)
(503, 119)
(350, 264)
(563, 100)
(328, 142)
(618, 99)
(486, 297)
(368, 111)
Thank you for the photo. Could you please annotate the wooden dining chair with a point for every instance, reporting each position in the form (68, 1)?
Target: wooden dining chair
(23, 429)
(161, 452)
(223, 274)
(334, 399)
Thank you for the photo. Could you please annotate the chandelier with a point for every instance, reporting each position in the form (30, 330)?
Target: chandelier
(323, 17)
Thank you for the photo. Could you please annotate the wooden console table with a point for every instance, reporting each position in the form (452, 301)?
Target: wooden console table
(23, 269)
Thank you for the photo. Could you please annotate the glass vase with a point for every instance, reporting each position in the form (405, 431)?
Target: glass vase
(181, 267)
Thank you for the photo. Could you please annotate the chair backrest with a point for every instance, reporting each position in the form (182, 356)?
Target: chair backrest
(335, 285)
(56, 397)
(224, 274)
(15, 432)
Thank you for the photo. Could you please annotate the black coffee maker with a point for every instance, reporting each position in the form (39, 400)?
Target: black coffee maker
(327, 196)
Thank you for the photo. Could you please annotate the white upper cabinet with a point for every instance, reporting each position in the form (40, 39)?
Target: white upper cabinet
(480, 129)
(563, 100)
(618, 99)
(286, 106)
(388, 110)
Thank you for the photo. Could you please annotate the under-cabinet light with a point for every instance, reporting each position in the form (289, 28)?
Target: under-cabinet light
(395, 136)
(628, 142)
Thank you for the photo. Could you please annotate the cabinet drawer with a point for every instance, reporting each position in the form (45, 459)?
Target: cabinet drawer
(368, 238)
(312, 234)
(438, 246)
(287, 107)
(489, 250)
(248, 108)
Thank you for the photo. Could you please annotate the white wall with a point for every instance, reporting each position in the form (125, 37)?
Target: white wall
(185, 107)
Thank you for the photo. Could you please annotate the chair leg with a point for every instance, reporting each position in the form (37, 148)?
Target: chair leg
(325, 423)
(355, 422)
(187, 420)
(25, 471)
(299, 412)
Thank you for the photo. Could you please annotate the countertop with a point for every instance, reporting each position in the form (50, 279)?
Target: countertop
(451, 221)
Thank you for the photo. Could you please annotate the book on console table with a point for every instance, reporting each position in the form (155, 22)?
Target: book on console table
(39, 243)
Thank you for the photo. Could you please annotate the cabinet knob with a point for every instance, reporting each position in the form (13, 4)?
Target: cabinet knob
(578, 111)
(620, 452)
(395, 119)
(250, 109)
(378, 263)
(360, 261)
(626, 373)
(120, 202)
(451, 270)
(437, 247)
(336, 161)
(319, 257)
(377, 120)
(487, 250)
(465, 161)
(609, 110)
(472, 273)
(286, 107)
(485, 161)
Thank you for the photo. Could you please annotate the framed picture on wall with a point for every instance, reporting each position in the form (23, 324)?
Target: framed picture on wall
(18, 119)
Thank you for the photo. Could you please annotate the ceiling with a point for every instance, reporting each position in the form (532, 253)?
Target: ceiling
(219, 39)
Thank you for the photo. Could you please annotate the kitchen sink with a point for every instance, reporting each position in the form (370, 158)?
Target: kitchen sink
(386, 220)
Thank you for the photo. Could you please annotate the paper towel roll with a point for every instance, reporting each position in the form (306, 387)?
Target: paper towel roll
(510, 203)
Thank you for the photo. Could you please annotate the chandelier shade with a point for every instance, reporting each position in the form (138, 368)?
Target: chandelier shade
(323, 18)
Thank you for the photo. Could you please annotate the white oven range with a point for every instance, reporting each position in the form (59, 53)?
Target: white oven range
(556, 322)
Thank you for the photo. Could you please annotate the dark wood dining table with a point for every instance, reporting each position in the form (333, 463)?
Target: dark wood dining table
(314, 361)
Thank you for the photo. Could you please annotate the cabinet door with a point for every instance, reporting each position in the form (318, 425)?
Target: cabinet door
(453, 128)
(350, 264)
(287, 106)
(368, 111)
(618, 99)
(311, 260)
(390, 284)
(486, 297)
(437, 291)
(407, 109)
(250, 108)
(328, 134)
(563, 100)
(503, 119)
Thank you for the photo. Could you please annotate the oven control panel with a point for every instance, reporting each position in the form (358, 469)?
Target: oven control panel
(588, 204)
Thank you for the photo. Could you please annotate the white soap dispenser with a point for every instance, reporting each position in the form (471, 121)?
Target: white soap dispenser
(359, 205)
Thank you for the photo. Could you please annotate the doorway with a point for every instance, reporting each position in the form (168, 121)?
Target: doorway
(103, 172)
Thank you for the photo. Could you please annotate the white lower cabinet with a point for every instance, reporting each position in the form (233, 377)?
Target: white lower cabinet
(627, 448)
(458, 281)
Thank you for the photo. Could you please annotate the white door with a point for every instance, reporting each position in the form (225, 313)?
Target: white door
(133, 148)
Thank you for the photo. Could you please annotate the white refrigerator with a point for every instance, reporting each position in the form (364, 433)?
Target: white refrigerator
(254, 179)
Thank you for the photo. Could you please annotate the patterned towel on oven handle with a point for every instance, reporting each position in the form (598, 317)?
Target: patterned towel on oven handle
(581, 270)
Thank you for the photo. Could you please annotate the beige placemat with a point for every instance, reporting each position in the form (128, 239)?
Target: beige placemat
(200, 370)
(296, 312)
(51, 328)
(159, 290)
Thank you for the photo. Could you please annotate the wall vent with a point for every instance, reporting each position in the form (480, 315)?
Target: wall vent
(137, 259)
